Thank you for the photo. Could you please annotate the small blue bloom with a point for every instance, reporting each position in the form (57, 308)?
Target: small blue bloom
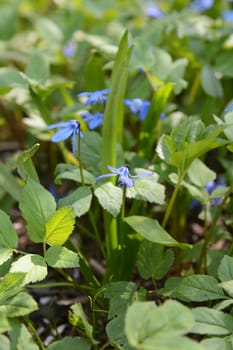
(125, 179)
(215, 185)
(201, 5)
(153, 11)
(99, 96)
(138, 106)
(227, 16)
(162, 116)
(229, 107)
(93, 119)
(67, 129)
(69, 49)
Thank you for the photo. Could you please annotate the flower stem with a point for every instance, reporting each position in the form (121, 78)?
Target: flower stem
(79, 158)
(34, 332)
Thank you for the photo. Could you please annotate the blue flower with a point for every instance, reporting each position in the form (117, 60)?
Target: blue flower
(229, 107)
(99, 96)
(215, 185)
(125, 179)
(201, 5)
(69, 49)
(153, 11)
(227, 15)
(67, 129)
(93, 119)
(138, 106)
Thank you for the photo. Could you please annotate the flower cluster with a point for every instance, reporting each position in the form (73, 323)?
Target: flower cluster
(201, 5)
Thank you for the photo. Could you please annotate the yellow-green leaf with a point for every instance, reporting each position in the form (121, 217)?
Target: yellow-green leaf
(60, 226)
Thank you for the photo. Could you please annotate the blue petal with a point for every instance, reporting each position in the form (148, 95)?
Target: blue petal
(125, 181)
(103, 176)
(229, 107)
(143, 174)
(58, 125)
(62, 134)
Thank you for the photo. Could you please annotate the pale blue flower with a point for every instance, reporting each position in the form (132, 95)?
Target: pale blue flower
(215, 185)
(138, 106)
(69, 49)
(124, 179)
(201, 5)
(153, 11)
(227, 15)
(229, 107)
(99, 96)
(93, 119)
(67, 129)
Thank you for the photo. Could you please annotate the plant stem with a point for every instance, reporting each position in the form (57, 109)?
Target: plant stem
(44, 249)
(34, 332)
(79, 158)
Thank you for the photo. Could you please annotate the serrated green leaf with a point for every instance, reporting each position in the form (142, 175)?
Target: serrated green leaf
(61, 257)
(199, 174)
(152, 231)
(149, 327)
(71, 172)
(225, 269)
(70, 343)
(211, 322)
(10, 285)
(109, 197)
(210, 84)
(228, 287)
(217, 343)
(147, 189)
(32, 265)
(153, 260)
(8, 235)
(20, 337)
(5, 254)
(60, 226)
(200, 288)
(19, 305)
(37, 206)
(79, 199)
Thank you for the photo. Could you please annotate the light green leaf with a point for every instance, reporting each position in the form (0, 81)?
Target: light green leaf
(217, 343)
(153, 260)
(32, 265)
(61, 257)
(60, 226)
(211, 322)
(228, 287)
(79, 199)
(152, 231)
(9, 78)
(200, 288)
(9, 183)
(20, 305)
(10, 285)
(109, 197)
(5, 254)
(199, 174)
(210, 84)
(147, 189)
(37, 206)
(149, 327)
(70, 343)
(71, 172)
(8, 236)
(4, 326)
(225, 269)
(38, 69)
(21, 339)
(49, 30)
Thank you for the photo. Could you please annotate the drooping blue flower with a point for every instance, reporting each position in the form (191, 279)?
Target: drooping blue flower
(218, 184)
(229, 107)
(201, 5)
(227, 16)
(93, 119)
(153, 11)
(67, 129)
(69, 49)
(138, 106)
(124, 179)
(99, 96)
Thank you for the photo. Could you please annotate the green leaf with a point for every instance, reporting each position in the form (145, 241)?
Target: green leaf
(5, 254)
(61, 257)
(4, 326)
(60, 226)
(21, 339)
(153, 260)
(210, 84)
(200, 288)
(211, 322)
(37, 206)
(19, 305)
(10, 78)
(32, 265)
(199, 174)
(224, 62)
(49, 30)
(109, 197)
(149, 327)
(79, 199)
(152, 231)
(38, 69)
(91, 159)
(8, 182)
(71, 172)
(217, 343)
(4, 341)
(8, 235)
(228, 287)
(24, 156)
(10, 285)
(147, 189)
(70, 343)
(225, 269)
(78, 319)
(120, 295)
